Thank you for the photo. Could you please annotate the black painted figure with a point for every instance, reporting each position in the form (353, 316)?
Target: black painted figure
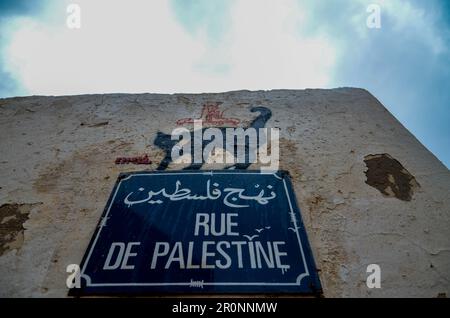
(165, 142)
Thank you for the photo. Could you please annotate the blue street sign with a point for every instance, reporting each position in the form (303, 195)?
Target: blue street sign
(232, 231)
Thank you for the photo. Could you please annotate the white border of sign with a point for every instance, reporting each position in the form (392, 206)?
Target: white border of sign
(200, 283)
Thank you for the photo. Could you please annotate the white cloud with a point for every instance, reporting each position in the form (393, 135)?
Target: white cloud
(417, 21)
(118, 48)
(405, 19)
(267, 50)
(138, 46)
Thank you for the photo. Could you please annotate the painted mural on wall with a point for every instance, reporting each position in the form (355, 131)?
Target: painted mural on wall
(212, 114)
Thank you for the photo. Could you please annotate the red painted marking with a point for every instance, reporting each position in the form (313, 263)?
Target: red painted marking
(211, 115)
(143, 160)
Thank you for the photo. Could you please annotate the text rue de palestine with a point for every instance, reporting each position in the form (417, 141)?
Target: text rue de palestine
(221, 254)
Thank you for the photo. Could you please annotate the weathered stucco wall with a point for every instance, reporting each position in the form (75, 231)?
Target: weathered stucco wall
(368, 190)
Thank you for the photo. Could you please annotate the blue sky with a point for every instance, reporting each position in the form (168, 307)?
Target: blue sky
(220, 45)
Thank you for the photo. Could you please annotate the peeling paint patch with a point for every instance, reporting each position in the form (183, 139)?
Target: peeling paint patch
(12, 218)
(389, 176)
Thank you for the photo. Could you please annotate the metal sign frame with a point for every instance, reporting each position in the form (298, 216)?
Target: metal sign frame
(305, 283)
